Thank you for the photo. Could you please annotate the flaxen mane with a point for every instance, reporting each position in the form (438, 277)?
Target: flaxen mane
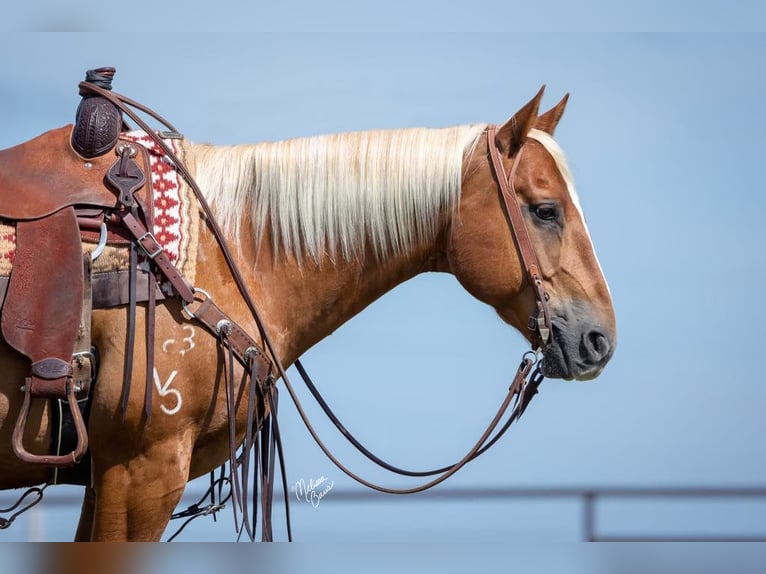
(333, 195)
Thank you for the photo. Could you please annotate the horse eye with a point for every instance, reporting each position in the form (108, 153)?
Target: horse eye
(545, 211)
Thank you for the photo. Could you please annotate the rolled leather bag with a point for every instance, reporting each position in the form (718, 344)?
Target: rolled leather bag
(98, 121)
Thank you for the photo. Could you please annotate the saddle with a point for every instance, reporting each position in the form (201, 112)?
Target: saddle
(57, 189)
(45, 184)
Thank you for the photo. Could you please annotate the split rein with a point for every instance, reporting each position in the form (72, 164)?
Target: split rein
(242, 347)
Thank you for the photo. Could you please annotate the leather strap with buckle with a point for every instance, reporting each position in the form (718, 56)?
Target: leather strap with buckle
(540, 320)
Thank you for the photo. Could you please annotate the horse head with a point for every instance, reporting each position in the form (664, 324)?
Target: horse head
(484, 255)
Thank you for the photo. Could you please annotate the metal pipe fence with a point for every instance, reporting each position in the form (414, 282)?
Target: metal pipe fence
(591, 502)
(591, 498)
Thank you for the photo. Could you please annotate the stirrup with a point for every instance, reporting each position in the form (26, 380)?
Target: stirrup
(58, 461)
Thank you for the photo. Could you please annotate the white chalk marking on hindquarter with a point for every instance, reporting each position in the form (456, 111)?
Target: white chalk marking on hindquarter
(165, 390)
(168, 345)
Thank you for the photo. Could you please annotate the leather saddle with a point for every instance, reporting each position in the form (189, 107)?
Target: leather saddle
(44, 183)
(45, 175)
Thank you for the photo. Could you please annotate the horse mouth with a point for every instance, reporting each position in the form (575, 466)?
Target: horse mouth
(563, 357)
(555, 365)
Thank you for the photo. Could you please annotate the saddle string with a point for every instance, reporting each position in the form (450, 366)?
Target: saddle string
(250, 433)
(262, 441)
(267, 474)
(273, 403)
(231, 415)
(130, 328)
(151, 307)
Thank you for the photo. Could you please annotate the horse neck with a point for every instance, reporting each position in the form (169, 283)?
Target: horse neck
(304, 303)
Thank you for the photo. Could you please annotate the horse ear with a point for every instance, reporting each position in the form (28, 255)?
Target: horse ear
(513, 133)
(550, 119)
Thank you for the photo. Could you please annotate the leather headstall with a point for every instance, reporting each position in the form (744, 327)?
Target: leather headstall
(540, 320)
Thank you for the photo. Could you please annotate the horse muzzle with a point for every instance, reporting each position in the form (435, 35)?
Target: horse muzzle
(581, 344)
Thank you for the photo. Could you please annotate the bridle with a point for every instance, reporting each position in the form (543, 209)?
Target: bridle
(241, 346)
(539, 323)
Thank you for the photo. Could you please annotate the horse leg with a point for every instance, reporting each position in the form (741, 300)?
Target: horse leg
(85, 526)
(140, 466)
(134, 500)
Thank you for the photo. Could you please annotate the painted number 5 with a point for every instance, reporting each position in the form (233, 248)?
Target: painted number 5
(165, 390)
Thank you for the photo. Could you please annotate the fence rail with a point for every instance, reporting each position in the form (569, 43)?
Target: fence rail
(589, 499)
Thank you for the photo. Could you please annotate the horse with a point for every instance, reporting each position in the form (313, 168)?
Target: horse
(322, 227)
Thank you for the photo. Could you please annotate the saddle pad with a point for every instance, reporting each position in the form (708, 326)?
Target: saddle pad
(176, 217)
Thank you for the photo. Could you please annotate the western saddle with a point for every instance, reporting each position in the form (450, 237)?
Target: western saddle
(66, 185)
(53, 188)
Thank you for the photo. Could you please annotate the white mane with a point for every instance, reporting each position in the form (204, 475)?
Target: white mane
(337, 195)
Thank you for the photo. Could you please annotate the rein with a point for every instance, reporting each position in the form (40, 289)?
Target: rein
(198, 305)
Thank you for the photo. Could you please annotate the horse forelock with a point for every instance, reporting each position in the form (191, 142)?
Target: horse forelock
(336, 195)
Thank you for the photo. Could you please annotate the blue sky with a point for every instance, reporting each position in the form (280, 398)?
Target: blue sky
(296, 17)
(664, 134)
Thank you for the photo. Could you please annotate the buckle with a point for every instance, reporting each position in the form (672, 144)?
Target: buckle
(542, 328)
(80, 379)
(200, 296)
(157, 247)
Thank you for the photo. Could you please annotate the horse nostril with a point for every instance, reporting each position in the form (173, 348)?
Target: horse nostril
(596, 346)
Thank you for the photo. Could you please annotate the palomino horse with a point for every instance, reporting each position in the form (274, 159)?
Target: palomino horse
(323, 226)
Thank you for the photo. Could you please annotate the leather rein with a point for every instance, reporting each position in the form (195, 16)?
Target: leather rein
(198, 305)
